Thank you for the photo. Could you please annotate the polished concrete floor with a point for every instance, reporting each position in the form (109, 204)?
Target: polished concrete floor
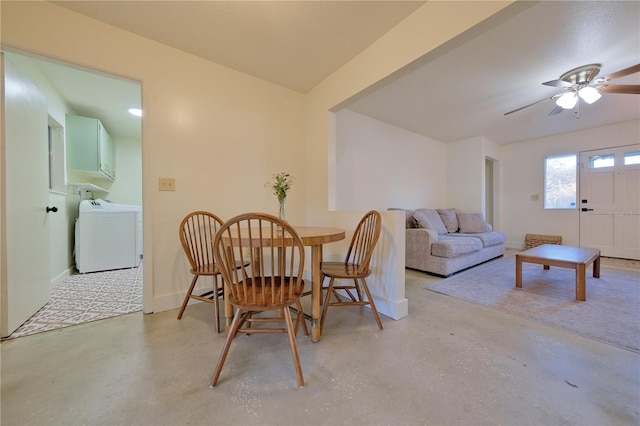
(448, 363)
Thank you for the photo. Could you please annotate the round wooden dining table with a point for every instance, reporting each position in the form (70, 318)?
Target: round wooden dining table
(314, 237)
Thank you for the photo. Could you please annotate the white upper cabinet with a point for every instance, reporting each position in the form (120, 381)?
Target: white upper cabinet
(90, 151)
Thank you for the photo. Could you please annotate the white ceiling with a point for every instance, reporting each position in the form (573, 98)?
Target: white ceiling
(459, 91)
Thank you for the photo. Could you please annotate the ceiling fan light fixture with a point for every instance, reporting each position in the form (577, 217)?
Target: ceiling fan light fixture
(567, 101)
(589, 94)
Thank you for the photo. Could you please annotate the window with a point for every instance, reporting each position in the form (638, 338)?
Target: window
(56, 157)
(560, 176)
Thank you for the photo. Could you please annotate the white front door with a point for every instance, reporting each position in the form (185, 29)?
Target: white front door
(25, 280)
(610, 201)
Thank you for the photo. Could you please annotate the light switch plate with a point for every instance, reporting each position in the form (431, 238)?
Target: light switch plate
(535, 197)
(166, 184)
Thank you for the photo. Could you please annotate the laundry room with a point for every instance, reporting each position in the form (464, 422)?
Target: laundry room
(88, 182)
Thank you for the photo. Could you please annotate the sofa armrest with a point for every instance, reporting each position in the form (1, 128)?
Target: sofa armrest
(421, 237)
(418, 247)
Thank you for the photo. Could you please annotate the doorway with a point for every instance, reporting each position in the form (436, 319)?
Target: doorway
(489, 190)
(70, 89)
(610, 201)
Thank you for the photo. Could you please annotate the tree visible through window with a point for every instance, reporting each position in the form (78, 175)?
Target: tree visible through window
(560, 178)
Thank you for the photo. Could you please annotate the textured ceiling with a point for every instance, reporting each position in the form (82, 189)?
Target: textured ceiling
(465, 91)
(295, 44)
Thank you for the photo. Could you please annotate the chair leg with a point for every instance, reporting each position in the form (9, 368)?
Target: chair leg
(294, 346)
(325, 306)
(300, 317)
(187, 296)
(235, 324)
(216, 308)
(372, 303)
(358, 289)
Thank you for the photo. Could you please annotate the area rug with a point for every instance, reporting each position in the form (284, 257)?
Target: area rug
(83, 298)
(611, 312)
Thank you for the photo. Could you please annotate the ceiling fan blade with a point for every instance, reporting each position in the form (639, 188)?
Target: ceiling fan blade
(622, 73)
(533, 103)
(630, 89)
(557, 110)
(557, 83)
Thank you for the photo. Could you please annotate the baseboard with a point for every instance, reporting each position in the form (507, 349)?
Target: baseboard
(174, 300)
(394, 309)
(60, 277)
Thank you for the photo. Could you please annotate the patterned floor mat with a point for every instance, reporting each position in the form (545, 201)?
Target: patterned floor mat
(88, 297)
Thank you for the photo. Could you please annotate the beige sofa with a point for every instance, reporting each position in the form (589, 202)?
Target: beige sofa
(445, 241)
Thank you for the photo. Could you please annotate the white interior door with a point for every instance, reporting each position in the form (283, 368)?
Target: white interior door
(25, 281)
(610, 201)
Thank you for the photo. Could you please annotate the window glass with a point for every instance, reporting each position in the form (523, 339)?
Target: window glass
(560, 176)
(632, 157)
(598, 161)
(50, 158)
(56, 157)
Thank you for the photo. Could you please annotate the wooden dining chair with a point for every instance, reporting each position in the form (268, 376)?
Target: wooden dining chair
(272, 281)
(355, 267)
(197, 231)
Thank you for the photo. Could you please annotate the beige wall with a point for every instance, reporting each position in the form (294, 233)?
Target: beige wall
(221, 134)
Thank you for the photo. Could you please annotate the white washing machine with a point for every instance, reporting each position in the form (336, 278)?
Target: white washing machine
(108, 236)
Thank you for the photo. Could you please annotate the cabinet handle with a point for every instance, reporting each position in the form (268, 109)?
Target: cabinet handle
(52, 209)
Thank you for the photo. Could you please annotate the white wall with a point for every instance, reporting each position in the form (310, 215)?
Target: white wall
(466, 163)
(522, 175)
(465, 178)
(428, 27)
(127, 186)
(379, 165)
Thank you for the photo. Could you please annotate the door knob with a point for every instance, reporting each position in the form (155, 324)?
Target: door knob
(52, 209)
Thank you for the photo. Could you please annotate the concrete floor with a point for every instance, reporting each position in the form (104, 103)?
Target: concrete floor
(448, 363)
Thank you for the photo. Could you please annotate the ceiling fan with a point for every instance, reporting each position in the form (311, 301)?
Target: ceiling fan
(580, 83)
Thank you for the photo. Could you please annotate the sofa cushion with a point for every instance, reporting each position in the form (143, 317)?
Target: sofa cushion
(452, 247)
(449, 218)
(471, 223)
(409, 217)
(488, 238)
(434, 219)
(422, 221)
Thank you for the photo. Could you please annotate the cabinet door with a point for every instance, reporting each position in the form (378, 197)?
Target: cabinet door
(82, 146)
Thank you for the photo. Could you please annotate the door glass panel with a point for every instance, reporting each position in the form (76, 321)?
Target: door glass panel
(598, 161)
(632, 157)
